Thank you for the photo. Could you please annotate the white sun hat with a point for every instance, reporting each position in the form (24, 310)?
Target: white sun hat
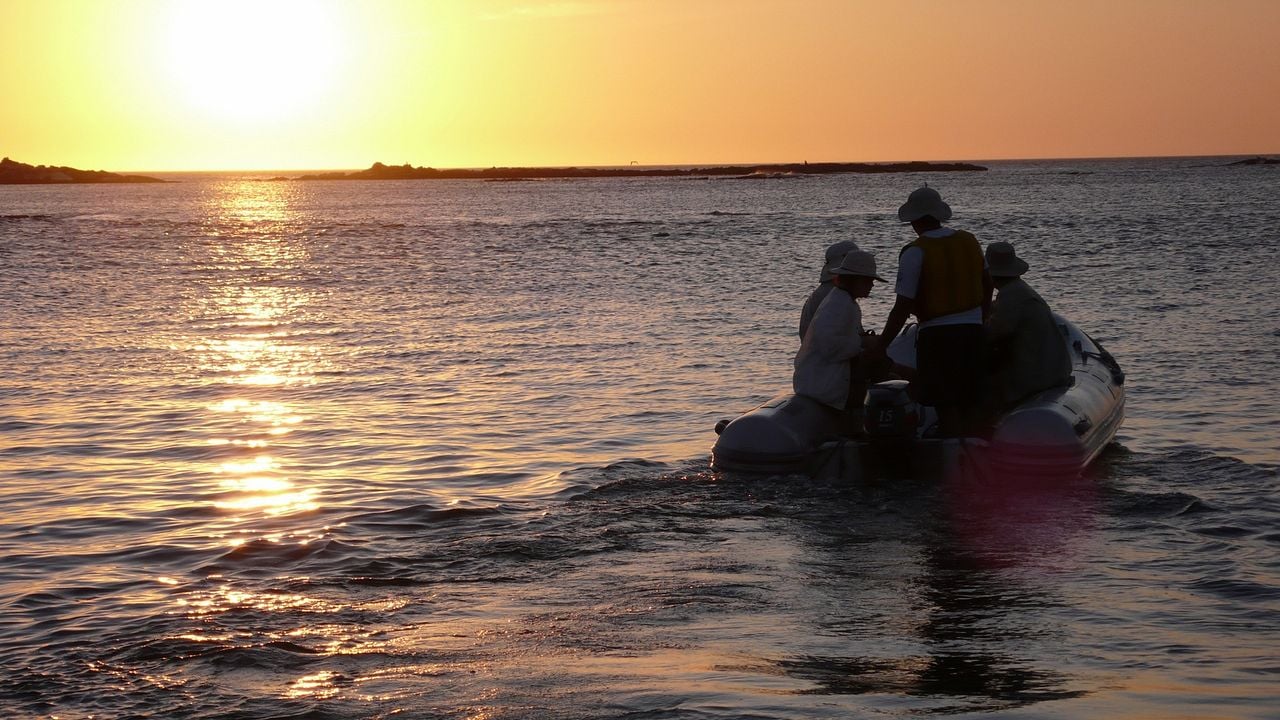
(858, 262)
(835, 253)
(924, 201)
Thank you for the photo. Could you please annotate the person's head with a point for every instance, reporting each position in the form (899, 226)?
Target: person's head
(924, 209)
(858, 286)
(856, 273)
(835, 253)
(1003, 264)
(924, 224)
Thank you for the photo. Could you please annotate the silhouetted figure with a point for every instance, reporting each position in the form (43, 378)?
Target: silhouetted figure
(830, 366)
(1027, 352)
(834, 255)
(943, 281)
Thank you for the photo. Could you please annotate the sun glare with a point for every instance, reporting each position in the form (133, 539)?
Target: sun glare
(249, 60)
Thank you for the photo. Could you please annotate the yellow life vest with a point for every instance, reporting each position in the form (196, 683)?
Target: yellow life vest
(950, 277)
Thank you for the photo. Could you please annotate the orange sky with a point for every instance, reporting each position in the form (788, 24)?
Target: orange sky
(136, 85)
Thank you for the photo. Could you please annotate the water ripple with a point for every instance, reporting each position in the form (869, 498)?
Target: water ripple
(310, 450)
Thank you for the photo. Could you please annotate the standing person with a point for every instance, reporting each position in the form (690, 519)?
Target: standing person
(1027, 350)
(943, 281)
(835, 254)
(828, 367)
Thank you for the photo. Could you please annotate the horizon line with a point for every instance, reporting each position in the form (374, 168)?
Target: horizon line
(701, 165)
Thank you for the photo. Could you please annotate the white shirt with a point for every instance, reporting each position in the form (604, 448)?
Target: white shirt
(910, 263)
(834, 337)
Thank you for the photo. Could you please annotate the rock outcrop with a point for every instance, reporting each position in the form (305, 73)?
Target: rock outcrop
(378, 171)
(16, 173)
(1257, 161)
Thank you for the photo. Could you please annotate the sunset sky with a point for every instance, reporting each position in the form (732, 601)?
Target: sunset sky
(137, 85)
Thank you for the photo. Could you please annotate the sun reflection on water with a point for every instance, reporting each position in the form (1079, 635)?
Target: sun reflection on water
(319, 685)
(258, 205)
(249, 342)
(225, 599)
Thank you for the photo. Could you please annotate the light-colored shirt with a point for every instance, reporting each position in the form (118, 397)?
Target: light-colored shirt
(833, 339)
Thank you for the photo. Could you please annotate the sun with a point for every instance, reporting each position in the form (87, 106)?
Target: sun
(250, 60)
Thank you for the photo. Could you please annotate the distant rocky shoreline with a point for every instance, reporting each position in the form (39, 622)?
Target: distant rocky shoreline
(1260, 160)
(378, 171)
(16, 173)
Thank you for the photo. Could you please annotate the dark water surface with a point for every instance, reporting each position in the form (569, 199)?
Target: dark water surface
(439, 450)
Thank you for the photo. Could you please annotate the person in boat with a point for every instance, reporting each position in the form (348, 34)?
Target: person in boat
(830, 366)
(835, 254)
(943, 281)
(1026, 348)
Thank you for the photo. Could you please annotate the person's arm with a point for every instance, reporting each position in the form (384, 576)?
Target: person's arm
(903, 307)
(910, 262)
(806, 315)
(857, 343)
(1002, 322)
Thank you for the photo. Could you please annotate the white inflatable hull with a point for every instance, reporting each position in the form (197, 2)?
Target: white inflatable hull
(1059, 431)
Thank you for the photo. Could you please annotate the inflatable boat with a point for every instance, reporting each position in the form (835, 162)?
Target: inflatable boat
(1056, 432)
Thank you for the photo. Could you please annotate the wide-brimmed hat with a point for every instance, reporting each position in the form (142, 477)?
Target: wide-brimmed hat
(835, 253)
(924, 201)
(1003, 262)
(858, 262)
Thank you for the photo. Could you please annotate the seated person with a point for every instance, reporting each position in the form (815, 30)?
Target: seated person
(835, 254)
(1027, 351)
(829, 366)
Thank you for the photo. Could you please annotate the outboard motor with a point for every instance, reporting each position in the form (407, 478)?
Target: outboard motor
(891, 419)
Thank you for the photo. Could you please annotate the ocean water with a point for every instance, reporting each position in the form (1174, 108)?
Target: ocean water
(440, 450)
